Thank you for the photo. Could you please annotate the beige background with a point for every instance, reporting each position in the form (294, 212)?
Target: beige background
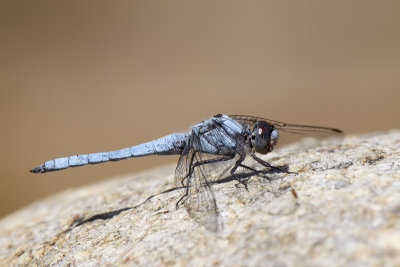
(89, 76)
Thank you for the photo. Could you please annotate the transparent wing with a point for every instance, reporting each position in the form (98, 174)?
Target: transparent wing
(199, 200)
(291, 132)
(197, 170)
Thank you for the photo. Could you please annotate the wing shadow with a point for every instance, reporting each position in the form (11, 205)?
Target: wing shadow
(242, 178)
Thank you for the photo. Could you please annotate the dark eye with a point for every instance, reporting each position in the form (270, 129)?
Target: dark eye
(262, 131)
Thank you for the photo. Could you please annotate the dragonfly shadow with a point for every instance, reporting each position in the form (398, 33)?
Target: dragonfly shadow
(241, 178)
(110, 214)
(245, 176)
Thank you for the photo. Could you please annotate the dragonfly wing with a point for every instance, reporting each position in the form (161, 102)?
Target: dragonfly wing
(198, 168)
(289, 127)
(289, 132)
(199, 200)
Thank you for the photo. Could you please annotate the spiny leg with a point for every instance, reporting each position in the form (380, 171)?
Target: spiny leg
(266, 164)
(183, 198)
(208, 161)
(203, 162)
(243, 181)
(238, 163)
(257, 172)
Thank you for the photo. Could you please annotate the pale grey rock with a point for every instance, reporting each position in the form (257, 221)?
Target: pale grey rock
(342, 209)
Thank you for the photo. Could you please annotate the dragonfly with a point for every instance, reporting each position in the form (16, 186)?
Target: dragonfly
(209, 149)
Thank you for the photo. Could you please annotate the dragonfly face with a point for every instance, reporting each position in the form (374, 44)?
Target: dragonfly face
(264, 137)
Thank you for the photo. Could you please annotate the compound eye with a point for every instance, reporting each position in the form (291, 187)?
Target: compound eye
(263, 130)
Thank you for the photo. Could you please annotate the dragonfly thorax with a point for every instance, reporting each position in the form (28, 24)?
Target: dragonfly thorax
(264, 137)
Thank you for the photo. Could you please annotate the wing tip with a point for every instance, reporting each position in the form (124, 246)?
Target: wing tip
(338, 131)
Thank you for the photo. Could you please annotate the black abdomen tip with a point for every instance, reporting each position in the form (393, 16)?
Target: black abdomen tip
(37, 169)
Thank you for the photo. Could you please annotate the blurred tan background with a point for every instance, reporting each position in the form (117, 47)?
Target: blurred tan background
(90, 76)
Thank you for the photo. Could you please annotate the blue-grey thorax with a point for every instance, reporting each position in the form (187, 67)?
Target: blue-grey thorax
(217, 140)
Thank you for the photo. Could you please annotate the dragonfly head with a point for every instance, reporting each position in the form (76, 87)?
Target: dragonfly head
(264, 137)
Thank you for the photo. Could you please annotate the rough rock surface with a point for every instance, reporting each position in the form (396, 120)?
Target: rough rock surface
(347, 212)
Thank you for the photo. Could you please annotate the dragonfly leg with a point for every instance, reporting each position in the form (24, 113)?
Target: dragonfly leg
(238, 163)
(244, 180)
(204, 162)
(183, 198)
(266, 164)
(209, 161)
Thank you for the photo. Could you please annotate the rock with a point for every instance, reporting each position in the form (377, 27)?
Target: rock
(342, 208)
